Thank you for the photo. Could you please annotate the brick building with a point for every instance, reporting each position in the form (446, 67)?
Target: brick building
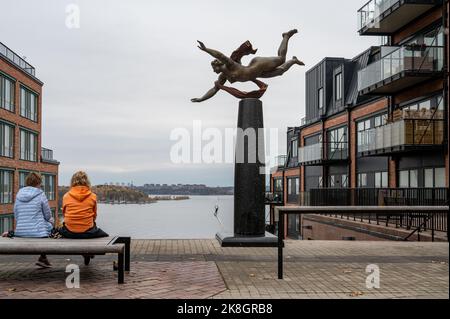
(378, 121)
(21, 148)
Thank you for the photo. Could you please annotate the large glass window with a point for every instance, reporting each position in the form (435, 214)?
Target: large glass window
(48, 185)
(293, 186)
(28, 104)
(28, 146)
(381, 179)
(409, 178)
(338, 86)
(362, 180)
(434, 177)
(6, 140)
(6, 186)
(6, 93)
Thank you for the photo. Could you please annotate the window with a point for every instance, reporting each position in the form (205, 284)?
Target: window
(344, 178)
(294, 148)
(338, 86)
(362, 180)
(28, 146)
(293, 186)
(338, 181)
(22, 177)
(6, 140)
(6, 186)
(28, 104)
(434, 177)
(278, 185)
(338, 139)
(408, 179)
(321, 99)
(6, 93)
(48, 186)
(380, 120)
(6, 222)
(320, 183)
(381, 179)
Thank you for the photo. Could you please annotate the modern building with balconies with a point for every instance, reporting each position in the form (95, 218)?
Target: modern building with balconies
(376, 126)
(21, 150)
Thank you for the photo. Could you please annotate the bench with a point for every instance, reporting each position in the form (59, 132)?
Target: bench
(49, 246)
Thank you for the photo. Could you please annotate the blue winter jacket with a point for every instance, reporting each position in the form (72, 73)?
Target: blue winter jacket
(32, 213)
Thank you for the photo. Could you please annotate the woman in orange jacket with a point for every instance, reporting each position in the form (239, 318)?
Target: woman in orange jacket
(80, 210)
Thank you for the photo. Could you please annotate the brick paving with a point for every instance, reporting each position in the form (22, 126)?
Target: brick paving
(186, 269)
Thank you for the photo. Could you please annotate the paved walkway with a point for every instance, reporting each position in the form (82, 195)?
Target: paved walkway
(202, 269)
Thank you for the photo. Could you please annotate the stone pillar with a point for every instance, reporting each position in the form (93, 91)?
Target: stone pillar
(249, 181)
(249, 171)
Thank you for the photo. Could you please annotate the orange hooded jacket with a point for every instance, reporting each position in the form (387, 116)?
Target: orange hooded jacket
(79, 209)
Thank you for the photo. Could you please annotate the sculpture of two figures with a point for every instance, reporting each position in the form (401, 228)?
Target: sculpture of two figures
(231, 69)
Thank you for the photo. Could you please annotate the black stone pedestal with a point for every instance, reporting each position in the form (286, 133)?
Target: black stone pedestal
(249, 181)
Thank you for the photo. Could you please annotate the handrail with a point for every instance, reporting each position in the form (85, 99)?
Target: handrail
(281, 212)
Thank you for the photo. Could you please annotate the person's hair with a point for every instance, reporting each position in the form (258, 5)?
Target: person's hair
(80, 179)
(216, 63)
(33, 179)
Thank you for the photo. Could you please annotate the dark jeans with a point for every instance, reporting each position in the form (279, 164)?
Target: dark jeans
(94, 232)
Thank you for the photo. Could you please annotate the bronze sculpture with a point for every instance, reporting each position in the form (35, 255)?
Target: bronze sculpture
(231, 69)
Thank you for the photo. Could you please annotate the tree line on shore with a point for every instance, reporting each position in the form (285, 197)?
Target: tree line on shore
(112, 194)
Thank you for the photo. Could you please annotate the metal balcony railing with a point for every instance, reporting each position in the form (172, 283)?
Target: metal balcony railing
(406, 132)
(374, 11)
(280, 162)
(315, 152)
(47, 155)
(395, 60)
(310, 153)
(16, 59)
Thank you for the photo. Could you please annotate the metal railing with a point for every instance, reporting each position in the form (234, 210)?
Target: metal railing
(372, 10)
(399, 59)
(310, 153)
(281, 212)
(16, 59)
(315, 152)
(401, 133)
(386, 197)
(47, 154)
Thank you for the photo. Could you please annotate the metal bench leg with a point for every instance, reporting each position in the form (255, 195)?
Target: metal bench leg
(127, 242)
(121, 269)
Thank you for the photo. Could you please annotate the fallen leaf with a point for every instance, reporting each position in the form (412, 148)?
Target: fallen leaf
(356, 294)
(252, 275)
(347, 271)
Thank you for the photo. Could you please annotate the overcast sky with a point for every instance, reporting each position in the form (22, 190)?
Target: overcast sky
(116, 87)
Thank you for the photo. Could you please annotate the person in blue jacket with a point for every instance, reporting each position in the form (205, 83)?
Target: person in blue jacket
(33, 217)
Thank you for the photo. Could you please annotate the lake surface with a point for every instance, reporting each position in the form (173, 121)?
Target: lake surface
(186, 219)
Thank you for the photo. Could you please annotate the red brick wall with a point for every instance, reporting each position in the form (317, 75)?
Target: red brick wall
(23, 78)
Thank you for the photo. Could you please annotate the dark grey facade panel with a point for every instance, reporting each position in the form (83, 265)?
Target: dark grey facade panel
(372, 164)
(433, 159)
(337, 169)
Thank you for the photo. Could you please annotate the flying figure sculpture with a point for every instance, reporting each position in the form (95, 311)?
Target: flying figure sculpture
(231, 69)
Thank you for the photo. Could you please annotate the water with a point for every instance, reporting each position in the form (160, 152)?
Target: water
(186, 219)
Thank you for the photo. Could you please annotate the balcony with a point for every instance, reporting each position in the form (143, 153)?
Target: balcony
(314, 155)
(280, 163)
(400, 68)
(47, 156)
(384, 17)
(405, 135)
(17, 60)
